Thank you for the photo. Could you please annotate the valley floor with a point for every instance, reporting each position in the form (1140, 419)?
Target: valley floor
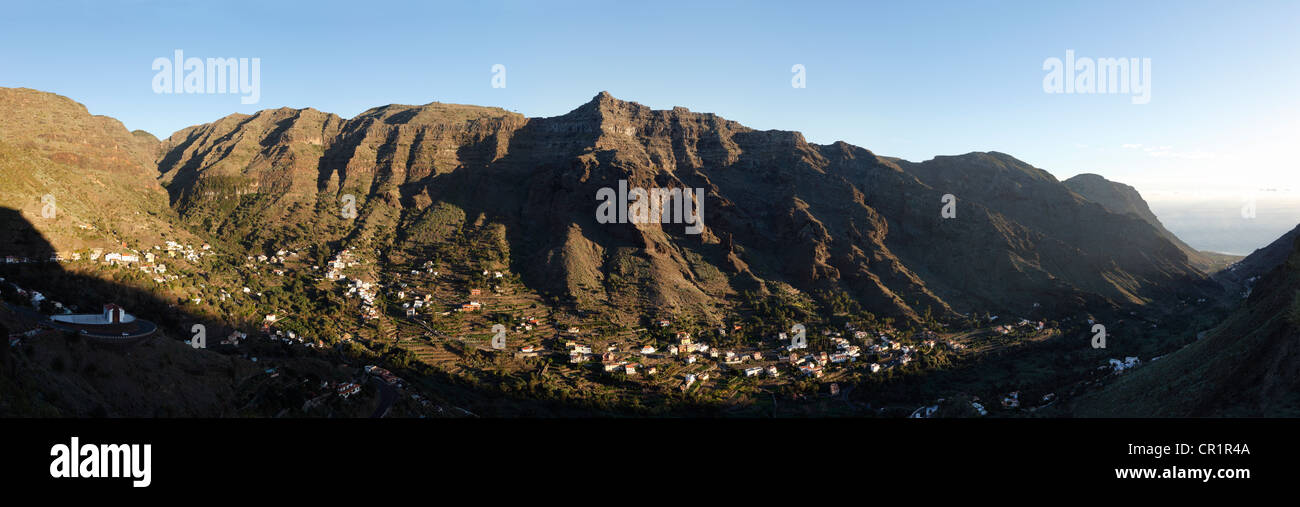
(469, 342)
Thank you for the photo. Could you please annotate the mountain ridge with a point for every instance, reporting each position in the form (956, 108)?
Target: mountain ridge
(1124, 199)
(780, 213)
(392, 155)
(467, 190)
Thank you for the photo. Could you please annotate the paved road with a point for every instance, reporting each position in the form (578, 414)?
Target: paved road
(27, 313)
(387, 396)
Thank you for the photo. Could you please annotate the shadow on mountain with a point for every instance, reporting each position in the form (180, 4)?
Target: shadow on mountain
(53, 373)
(57, 373)
(1247, 366)
(83, 294)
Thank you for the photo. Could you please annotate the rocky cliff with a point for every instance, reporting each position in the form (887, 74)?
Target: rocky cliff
(780, 213)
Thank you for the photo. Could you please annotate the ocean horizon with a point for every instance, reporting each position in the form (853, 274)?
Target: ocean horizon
(1218, 225)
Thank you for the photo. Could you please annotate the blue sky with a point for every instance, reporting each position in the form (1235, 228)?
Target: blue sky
(907, 79)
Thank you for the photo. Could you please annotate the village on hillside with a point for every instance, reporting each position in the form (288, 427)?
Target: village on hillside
(471, 321)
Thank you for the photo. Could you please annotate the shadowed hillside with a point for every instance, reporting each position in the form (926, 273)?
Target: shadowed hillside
(1124, 199)
(1249, 366)
(1243, 274)
(61, 374)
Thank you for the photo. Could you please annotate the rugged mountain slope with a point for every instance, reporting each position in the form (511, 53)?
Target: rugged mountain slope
(473, 188)
(100, 177)
(779, 212)
(1243, 273)
(1058, 239)
(1247, 366)
(1120, 198)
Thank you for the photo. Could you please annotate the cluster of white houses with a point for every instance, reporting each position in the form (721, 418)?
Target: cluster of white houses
(361, 289)
(334, 268)
(279, 257)
(416, 304)
(148, 261)
(683, 348)
(1024, 323)
(366, 292)
(189, 252)
(1116, 366)
(291, 338)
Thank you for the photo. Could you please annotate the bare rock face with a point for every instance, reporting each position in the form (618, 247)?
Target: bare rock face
(776, 209)
(1123, 199)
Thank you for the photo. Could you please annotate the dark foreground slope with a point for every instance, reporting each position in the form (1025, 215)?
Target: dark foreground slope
(1243, 274)
(1247, 366)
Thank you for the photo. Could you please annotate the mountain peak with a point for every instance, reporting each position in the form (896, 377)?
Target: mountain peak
(1088, 176)
(604, 102)
(1123, 199)
(600, 101)
(987, 157)
(1095, 179)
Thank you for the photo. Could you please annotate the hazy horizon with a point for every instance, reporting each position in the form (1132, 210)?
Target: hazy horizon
(1216, 225)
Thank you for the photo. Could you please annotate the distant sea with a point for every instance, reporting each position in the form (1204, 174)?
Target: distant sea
(1218, 225)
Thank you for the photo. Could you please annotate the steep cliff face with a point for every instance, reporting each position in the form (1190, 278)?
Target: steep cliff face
(1116, 197)
(778, 211)
(83, 180)
(1123, 199)
(1055, 236)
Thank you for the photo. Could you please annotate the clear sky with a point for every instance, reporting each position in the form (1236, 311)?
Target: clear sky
(908, 79)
